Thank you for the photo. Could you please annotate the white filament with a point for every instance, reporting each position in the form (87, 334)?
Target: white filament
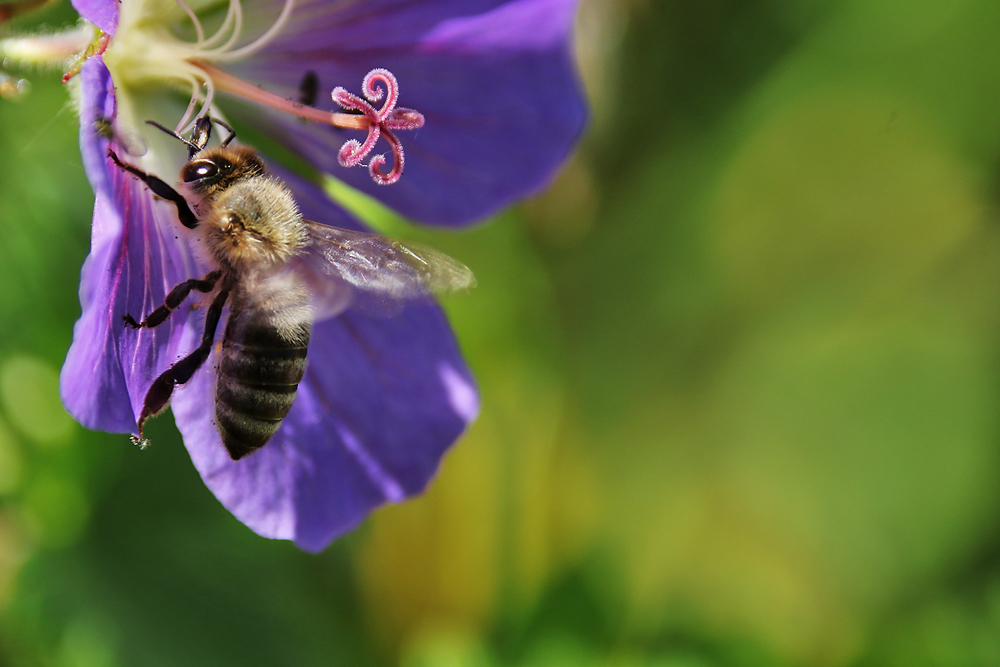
(230, 30)
(234, 8)
(199, 31)
(264, 39)
(195, 88)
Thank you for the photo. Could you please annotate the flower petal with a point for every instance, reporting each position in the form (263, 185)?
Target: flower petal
(102, 13)
(98, 109)
(494, 79)
(135, 258)
(383, 398)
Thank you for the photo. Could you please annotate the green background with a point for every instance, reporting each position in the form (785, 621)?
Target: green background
(739, 368)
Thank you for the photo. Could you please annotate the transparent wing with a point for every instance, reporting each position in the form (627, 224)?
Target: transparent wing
(384, 267)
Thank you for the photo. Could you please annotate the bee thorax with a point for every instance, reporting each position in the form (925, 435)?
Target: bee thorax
(253, 224)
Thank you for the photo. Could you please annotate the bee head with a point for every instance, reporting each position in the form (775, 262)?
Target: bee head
(215, 169)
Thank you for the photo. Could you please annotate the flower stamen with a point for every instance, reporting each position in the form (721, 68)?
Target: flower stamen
(199, 31)
(196, 81)
(225, 54)
(237, 14)
(234, 13)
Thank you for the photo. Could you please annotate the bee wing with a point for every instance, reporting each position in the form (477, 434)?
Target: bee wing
(384, 267)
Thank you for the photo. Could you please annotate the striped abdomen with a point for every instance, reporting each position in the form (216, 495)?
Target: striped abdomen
(263, 359)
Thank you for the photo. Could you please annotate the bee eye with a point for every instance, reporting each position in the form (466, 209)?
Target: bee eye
(199, 170)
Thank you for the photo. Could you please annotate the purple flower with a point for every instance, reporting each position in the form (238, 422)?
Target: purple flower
(494, 80)
(383, 397)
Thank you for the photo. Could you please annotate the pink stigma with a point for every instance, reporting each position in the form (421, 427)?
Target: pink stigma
(381, 122)
(378, 123)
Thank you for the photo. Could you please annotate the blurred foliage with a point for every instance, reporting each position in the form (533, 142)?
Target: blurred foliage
(739, 369)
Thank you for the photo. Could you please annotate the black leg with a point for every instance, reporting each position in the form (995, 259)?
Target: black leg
(160, 189)
(158, 396)
(175, 299)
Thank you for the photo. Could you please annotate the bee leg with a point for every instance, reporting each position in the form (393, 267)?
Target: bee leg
(174, 299)
(160, 189)
(158, 396)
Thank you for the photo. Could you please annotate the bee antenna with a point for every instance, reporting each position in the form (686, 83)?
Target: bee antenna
(226, 126)
(199, 135)
(192, 146)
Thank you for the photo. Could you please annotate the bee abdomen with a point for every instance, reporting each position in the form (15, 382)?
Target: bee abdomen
(255, 389)
(268, 402)
(255, 365)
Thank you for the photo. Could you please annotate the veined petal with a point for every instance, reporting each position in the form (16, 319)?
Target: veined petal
(383, 398)
(135, 258)
(92, 382)
(494, 79)
(98, 108)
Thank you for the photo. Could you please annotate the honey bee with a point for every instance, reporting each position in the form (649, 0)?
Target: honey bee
(278, 272)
